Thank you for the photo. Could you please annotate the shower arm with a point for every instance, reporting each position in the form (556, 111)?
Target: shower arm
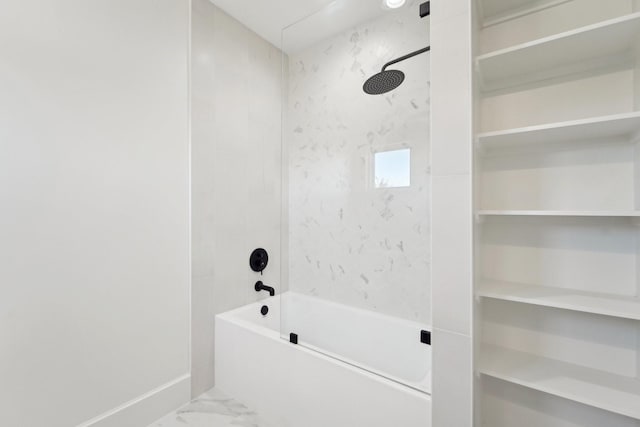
(407, 56)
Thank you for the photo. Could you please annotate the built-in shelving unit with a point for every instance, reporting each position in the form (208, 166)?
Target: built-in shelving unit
(592, 46)
(567, 299)
(592, 387)
(557, 202)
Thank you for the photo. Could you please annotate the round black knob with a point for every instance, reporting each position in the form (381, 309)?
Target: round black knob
(264, 310)
(258, 260)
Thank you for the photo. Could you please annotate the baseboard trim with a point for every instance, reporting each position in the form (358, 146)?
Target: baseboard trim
(145, 409)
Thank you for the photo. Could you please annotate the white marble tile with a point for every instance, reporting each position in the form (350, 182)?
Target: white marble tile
(350, 242)
(212, 409)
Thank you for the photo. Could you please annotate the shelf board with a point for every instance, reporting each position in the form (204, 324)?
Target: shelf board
(563, 53)
(567, 299)
(599, 389)
(625, 125)
(496, 11)
(604, 214)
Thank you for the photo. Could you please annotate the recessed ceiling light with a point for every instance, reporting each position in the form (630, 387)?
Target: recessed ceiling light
(394, 4)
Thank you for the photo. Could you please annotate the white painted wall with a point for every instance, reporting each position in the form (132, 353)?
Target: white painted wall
(94, 221)
(236, 172)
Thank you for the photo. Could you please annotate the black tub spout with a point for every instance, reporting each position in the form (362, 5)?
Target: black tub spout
(262, 287)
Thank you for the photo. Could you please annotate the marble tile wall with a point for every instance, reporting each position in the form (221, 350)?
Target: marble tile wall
(348, 241)
(236, 172)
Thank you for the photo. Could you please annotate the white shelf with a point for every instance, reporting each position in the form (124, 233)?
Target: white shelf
(598, 389)
(598, 128)
(604, 214)
(568, 52)
(568, 299)
(496, 11)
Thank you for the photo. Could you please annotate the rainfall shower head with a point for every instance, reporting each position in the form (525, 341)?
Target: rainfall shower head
(387, 80)
(383, 82)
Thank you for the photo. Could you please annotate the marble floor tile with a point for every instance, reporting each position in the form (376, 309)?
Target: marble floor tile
(212, 409)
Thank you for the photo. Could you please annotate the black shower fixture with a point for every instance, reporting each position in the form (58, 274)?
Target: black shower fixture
(260, 286)
(258, 260)
(388, 80)
(425, 9)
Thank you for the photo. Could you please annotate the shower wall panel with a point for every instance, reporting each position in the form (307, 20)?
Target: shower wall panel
(235, 172)
(350, 240)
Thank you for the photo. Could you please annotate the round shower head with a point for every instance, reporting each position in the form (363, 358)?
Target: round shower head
(383, 82)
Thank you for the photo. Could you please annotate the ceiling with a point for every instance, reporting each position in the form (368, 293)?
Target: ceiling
(268, 18)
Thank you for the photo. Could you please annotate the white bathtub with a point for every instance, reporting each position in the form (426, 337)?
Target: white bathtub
(378, 376)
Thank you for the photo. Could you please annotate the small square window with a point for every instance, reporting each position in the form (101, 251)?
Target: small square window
(393, 168)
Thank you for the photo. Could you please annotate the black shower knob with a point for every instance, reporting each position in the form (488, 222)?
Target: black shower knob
(258, 260)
